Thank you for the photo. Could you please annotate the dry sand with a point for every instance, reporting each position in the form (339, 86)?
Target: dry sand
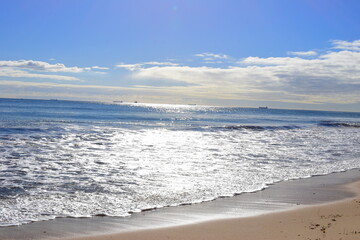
(336, 220)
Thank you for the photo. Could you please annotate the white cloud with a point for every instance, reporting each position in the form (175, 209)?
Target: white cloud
(273, 61)
(303, 54)
(130, 67)
(99, 68)
(137, 66)
(40, 66)
(10, 72)
(345, 45)
(160, 63)
(40, 69)
(211, 56)
(332, 77)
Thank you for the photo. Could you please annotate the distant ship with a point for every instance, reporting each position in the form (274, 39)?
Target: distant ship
(263, 108)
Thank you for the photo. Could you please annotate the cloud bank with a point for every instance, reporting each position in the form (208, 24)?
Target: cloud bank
(344, 45)
(333, 77)
(40, 70)
(39, 66)
(14, 73)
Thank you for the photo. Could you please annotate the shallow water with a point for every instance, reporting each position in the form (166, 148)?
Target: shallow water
(65, 158)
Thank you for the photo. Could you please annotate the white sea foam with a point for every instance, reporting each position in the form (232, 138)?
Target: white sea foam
(83, 169)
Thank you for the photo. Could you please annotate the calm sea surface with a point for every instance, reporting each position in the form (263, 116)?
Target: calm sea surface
(79, 159)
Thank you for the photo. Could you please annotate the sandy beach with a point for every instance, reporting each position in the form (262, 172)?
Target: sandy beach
(336, 220)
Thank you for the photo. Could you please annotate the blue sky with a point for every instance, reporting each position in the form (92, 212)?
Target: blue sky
(279, 53)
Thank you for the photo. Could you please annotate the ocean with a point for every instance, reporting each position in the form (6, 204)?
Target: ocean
(84, 159)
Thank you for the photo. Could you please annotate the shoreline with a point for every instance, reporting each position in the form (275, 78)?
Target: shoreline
(334, 220)
(278, 198)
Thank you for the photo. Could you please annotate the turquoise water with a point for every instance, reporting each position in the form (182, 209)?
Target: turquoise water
(81, 159)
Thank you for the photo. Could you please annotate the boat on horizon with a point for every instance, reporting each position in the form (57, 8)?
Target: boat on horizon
(263, 107)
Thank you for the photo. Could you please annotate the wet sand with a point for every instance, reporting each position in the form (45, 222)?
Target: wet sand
(339, 220)
(282, 211)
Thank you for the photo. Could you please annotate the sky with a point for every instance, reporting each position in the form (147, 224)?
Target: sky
(298, 54)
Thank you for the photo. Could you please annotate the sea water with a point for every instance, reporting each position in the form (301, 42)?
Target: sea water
(83, 159)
